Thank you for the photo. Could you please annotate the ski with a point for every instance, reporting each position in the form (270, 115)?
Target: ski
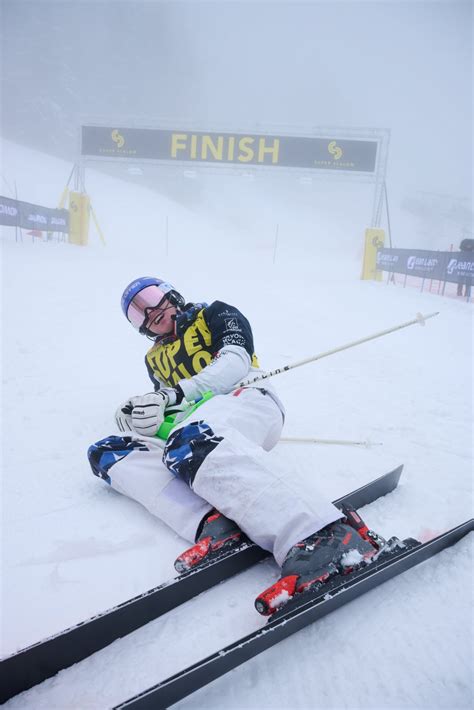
(34, 664)
(297, 614)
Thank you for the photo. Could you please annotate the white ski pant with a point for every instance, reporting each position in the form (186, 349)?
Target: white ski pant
(217, 459)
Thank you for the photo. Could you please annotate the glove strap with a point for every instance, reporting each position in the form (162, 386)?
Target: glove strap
(175, 395)
(179, 394)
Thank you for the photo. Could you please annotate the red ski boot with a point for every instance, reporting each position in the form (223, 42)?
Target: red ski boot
(338, 548)
(217, 535)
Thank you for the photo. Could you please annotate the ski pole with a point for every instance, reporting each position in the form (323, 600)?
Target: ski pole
(338, 442)
(420, 320)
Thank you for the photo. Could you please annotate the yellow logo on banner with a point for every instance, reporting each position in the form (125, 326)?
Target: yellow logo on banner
(118, 138)
(335, 150)
(378, 239)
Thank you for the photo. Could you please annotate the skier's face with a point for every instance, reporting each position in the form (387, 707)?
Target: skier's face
(161, 320)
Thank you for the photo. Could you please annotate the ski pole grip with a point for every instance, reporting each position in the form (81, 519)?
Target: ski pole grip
(171, 420)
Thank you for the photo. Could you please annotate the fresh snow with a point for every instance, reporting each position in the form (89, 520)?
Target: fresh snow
(71, 547)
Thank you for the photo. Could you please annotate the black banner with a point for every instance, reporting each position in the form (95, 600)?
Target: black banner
(440, 265)
(459, 268)
(237, 148)
(8, 212)
(15, 213)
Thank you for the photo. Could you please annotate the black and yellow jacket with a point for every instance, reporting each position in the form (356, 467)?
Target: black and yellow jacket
(213, 350)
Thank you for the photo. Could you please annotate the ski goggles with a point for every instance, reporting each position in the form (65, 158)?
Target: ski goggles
(146, 300)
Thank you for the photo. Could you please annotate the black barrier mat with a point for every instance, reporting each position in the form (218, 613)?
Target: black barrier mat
(16, 213)
(451, 266)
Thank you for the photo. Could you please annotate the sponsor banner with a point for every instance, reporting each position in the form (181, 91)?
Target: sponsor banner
(8, 212)
(15, 213)
(440, 265)
(417, 262)
(32, 216)
(58, 220)
(326, 153)
(427, 264)
(459, 268)
(391, 260)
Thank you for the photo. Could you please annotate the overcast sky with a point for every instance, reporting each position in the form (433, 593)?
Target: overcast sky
(402, 65)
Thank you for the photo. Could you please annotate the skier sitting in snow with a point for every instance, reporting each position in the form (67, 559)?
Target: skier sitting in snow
(210, 480)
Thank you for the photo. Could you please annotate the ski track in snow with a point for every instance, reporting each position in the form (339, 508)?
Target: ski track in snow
(72, 547)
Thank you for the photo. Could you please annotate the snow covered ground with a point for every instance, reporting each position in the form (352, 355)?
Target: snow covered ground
(71, 547)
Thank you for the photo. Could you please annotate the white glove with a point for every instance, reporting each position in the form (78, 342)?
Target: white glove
(148, 410)
(123, 416)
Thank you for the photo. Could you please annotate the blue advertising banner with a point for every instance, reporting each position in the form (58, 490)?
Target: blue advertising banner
(450, 266)
(459, 268)
(8, 212)
(15, 213)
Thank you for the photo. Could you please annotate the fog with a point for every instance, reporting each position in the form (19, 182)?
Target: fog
(284, 245)
(257, 66)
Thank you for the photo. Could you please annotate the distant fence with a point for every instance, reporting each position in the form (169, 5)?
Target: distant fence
(15, 213)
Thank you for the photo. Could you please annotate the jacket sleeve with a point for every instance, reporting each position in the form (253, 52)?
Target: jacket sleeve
(232, 349)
